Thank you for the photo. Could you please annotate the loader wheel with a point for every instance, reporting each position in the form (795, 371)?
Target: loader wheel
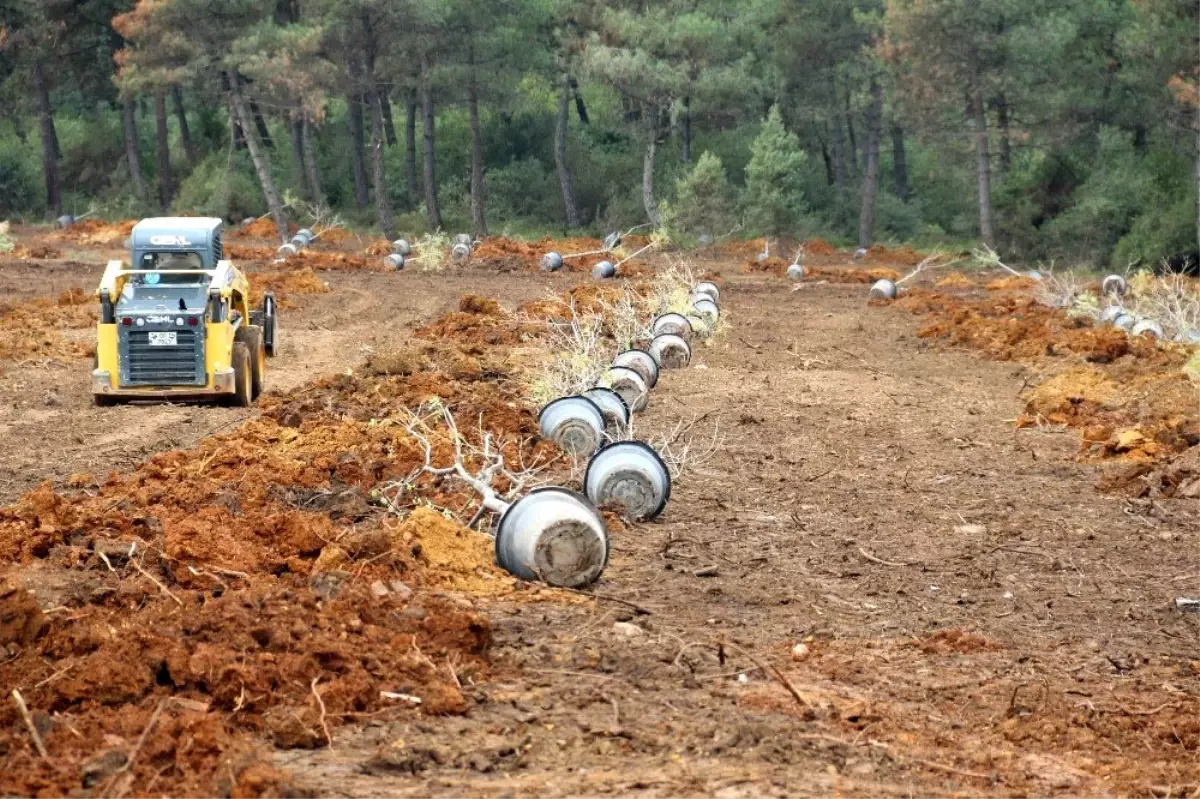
(243, 396)
(252, 337)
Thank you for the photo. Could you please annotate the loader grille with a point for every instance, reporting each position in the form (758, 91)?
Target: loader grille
(144, 364)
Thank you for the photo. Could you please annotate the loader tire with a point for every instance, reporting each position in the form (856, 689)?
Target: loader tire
(243, 378)
(252, 337)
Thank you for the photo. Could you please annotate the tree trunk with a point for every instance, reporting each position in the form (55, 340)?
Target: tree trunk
(383, 203)
(478, 216)
(826, 158)
(261, 166)
(560, 154)
(131, 149)
(237, 139)
(899, 163)
(852, 154)
(1197, 264)
(686, 152)
(166, 181)
(389, 123)
(185, 134)
(296, 135)
(49, 141)
(260, 124)
(839, 154)
(354, 118)
(1005, 143)
(983, 166)
(580, 107)
(648, 167)
(410, 144)
(312, 169)
(1140, 138)
(866, 215)
(427, 113)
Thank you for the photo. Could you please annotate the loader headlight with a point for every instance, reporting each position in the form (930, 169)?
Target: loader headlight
(141, 322)
(179, 321)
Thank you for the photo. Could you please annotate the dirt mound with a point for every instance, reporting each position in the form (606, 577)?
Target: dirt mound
(1015, 327)
(250, 252)
(1130, 399)
(479, 321)
(848, 274)
(279, 580)
(261, 228)
(505, 254)
(334, 235)
(286, 285)
(451, 555)
(35, 252)
(1012, 283)
(310, 258)
(1082, 391)
(955, 280)
(771, 266)
(904, 256)
(94, 232)
(819, 247)
(33, 329)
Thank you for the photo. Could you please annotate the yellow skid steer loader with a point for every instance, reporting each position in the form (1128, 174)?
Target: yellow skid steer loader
(176, 324)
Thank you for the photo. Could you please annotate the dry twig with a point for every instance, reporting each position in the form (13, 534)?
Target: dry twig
(19, 701)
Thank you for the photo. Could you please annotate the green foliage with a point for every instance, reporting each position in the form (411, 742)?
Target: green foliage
(524, 189)
(1099, 99)
(1166, 230)
(703, 201)
(19, 179)
(222, 186)
(774, 198)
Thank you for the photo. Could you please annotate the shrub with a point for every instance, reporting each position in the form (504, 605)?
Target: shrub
(20, 177)
(774, 198)
(523, 189)
(900, 221)
(221, 186)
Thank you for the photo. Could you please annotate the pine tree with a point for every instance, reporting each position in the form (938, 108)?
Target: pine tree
(774, 198)
(703, 204)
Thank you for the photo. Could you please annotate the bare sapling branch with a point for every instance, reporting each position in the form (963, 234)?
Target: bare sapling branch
(488, 453)
(987, 257)
(685, 448)
(933, 261)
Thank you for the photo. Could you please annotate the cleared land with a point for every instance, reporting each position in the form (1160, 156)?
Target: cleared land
(977, 528)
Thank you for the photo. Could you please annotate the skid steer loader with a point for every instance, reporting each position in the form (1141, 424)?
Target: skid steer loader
(175, 323)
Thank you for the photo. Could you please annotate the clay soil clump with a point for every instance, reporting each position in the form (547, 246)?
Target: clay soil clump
(33, 329)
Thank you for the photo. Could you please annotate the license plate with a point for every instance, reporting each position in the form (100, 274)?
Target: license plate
(164, 339)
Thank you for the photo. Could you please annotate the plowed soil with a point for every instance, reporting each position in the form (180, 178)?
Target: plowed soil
(879, 581)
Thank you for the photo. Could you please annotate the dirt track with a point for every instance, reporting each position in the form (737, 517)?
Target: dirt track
(51, 431)
(978, 618)
(954, 579)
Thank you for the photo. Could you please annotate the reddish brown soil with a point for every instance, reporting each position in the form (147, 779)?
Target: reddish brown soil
(239, 569)
(976, 618)
(1127, 395)
(33, 329)
(504, 254)
(843, 274)
(262, 228)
